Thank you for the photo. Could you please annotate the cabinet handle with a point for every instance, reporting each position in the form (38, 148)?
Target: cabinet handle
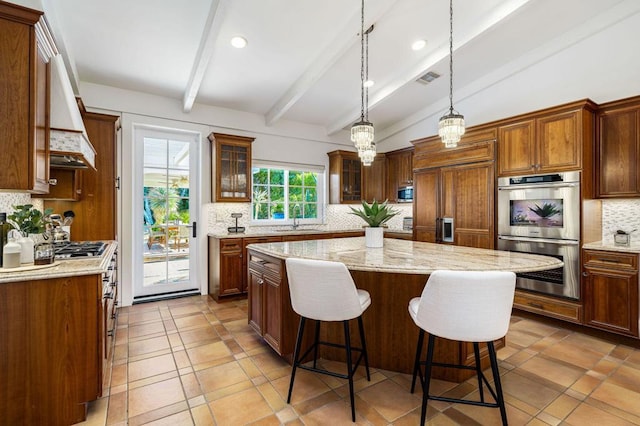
(110, 333)
(584, 274)
(260, 281)
(536, 305)
(609, 260)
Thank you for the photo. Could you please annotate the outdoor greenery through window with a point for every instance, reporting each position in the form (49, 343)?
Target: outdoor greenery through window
(281, 194)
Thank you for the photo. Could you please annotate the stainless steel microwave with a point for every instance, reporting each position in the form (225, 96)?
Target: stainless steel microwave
(405, 194)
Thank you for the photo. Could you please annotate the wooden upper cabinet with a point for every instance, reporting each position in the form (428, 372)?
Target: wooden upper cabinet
(618, 149)
(516, 149)
(25, 52)
(232, 168)
(374, 180)
(345, 177)
(554, 140)
(399, 171)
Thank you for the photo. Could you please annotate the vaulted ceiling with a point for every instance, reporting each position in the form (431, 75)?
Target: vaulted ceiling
(302, 61)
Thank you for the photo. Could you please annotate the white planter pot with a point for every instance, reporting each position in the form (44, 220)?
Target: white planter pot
(374, 237)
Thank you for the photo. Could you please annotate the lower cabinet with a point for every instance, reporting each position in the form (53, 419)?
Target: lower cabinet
(610, 289)
(267, 298)
(51, 352)
(554, 307)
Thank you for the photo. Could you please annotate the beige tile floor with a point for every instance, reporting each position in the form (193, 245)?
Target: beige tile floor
(194, 361)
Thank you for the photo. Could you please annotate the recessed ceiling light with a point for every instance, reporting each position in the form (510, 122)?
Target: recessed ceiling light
(418, 44)
(369, 83)
(238, 42)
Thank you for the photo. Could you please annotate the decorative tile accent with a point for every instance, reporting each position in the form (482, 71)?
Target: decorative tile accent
(67, 141)
(620, 214)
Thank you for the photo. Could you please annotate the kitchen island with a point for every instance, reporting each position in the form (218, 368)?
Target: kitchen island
(56, 331)
(392, 275)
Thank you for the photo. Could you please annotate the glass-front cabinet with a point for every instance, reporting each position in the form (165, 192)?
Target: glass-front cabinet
(232, 167)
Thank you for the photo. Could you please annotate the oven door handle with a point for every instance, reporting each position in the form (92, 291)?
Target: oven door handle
(539, 186)
(539, 240)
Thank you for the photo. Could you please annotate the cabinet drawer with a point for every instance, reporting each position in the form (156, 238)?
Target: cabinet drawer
(608, 260)
(231, 245)
(551, 307)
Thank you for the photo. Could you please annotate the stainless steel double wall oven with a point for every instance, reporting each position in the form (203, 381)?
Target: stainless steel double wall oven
(540, 214)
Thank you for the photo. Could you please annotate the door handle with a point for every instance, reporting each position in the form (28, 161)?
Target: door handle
(194, 228)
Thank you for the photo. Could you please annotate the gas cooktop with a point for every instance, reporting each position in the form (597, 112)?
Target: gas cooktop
(78, 249)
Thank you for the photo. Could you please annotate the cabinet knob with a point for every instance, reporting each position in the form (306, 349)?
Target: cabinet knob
(53, 181)
(260, 281)
(585, 274)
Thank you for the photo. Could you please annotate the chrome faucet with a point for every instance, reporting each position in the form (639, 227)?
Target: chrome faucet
(295, 217)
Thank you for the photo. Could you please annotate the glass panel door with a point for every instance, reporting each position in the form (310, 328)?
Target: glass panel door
(169, 207)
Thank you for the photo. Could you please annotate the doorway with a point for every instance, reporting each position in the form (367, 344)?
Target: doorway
(166, 203)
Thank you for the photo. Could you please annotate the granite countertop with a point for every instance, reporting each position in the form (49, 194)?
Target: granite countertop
(634, 247)
(408, 257)
(270, 232)
(63, 268)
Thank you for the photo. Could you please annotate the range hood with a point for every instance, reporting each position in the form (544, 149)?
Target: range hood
(69, 145)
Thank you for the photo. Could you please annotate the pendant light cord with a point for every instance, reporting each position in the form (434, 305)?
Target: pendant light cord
(450, 56)
(366, 75)
(362, 62)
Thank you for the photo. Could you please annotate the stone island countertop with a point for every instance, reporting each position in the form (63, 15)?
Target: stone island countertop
(63, 268)
(407, 257)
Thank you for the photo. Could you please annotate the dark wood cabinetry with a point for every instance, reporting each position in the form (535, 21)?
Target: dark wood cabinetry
(95, 212)
(374, 180)
(553, 140)
(25, 51)
(345, 177)
(50, 348)
(265, 276)
(399, 171)
(231, 167)
(449, 186)
(64, 185)
(610, 286)
(618, 149)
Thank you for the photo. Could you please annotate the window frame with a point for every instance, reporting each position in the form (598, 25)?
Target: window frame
(287, 167)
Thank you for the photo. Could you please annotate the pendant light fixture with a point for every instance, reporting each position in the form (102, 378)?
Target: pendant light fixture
(451, 125)
(362, 131)
(368, 155)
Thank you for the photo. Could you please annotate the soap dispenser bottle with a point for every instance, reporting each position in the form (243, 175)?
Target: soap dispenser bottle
(4, 231)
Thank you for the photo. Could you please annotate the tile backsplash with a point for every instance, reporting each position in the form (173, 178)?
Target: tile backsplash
(336, 216)
(619, 214)
(10, 199)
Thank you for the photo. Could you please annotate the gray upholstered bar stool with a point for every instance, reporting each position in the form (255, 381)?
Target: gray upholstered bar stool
(464, 306)
(324, 291)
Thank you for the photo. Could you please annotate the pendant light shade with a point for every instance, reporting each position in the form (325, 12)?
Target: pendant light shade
(362, 132)
(451, 125)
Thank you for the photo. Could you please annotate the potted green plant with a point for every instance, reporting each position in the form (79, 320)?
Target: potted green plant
(28, 220)
(376, 215)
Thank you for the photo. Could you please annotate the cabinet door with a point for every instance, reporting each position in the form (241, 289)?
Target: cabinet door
(516, 148)
(351, 180)
(558, 140)
(256, 284)
(426, 205)
(232, 168)
(374, 180)
(468, 197)
(65, 185)
(272, 306)
(232, 268)
(611, 300)
(618, 153)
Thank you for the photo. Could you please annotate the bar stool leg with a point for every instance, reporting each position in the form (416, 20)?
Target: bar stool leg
(296, 354)
(315, 344)
(416, 365)
(364, 347)
(427, 379)
(496, 380)
(347, 341)
(476, 353)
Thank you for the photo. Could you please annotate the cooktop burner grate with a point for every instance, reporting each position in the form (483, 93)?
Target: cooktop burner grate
(75, 249)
